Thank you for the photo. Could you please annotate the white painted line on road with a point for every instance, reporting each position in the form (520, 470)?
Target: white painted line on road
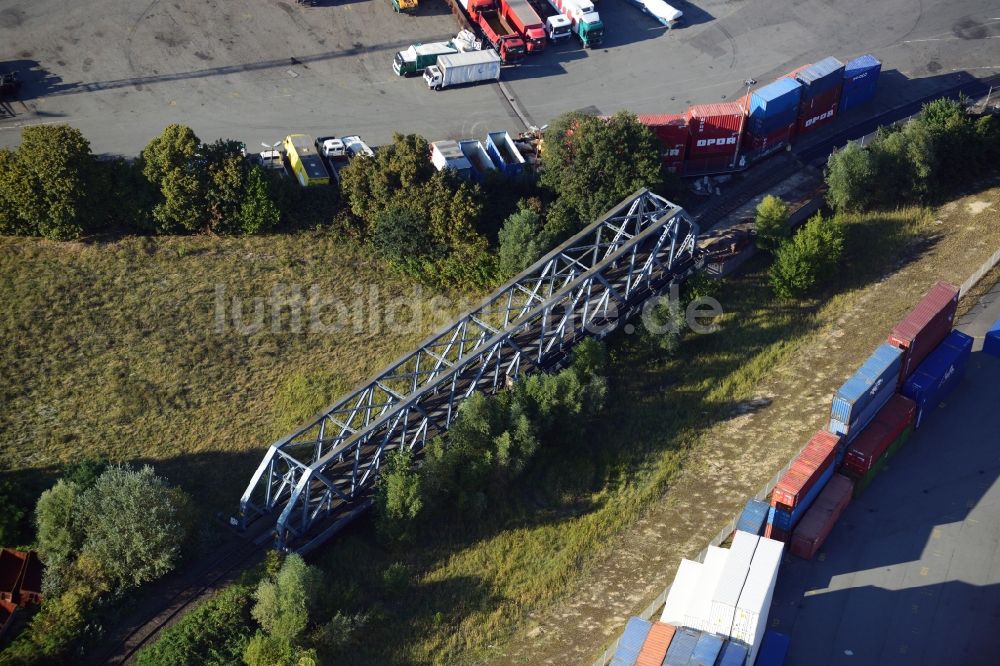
(20, 125)
(943, 39)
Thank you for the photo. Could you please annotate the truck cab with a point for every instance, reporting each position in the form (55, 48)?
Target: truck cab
(331, 147)
(589, 26)
(536, 39)
(558, 27)
(512, 49)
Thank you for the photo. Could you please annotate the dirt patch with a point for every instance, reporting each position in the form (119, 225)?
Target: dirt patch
(977, 207)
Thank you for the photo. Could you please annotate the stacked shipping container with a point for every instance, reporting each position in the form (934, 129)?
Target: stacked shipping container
(755, 597)
(714, 131)
(887, 433)
(631, 642)
(796, 490)
(774, 110)
(821, 85)
(991, 343)
(860, 80)
(939, 373)
(819, 520)
(925, 326)
(861, 396)
(655, 648)
(672, 132)
(754, 517)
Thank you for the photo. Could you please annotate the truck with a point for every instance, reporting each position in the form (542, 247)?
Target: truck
(661, 11)
(557, 26)
(496, 29)
(404, 5)
(306, 163)
(584, 19)
(524, 19)
(460, 68)
(418, 57)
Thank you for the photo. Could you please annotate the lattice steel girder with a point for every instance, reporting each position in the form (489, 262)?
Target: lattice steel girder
(584, 287)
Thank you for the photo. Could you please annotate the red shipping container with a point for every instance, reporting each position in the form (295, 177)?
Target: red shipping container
(776, 533)
(888, 424)
(672, 132)
(807, 467)
(818, 521)
(715, 128)
(762, 146)
(818, 111)
(654, 649)
(925, 327)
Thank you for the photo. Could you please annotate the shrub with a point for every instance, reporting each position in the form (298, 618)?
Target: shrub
(771, 222)
(283, 604)
(399, 498)
(520, 243)
(810, 259)
(850, 177)
(216, 633)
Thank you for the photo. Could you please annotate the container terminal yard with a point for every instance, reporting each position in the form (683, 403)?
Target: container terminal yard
(873, 545)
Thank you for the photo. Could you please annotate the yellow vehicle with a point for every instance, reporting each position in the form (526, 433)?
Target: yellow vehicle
(404, 5)
(306, 163)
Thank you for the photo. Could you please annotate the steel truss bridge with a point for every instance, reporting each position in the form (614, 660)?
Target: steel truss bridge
(317, 477)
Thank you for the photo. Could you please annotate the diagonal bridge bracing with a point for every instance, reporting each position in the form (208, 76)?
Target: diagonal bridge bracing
(586, 286)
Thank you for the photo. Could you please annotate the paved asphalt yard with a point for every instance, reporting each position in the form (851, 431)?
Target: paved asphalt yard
(255, 70)
(911, 573)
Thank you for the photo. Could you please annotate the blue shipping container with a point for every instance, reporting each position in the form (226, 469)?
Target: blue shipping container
(991, 345)
(765, 126)
(734, 654)
(754, 517)
(861, 396)
(631, 641)
(860, 81)
(787, 521)
(938, 374)
(773, 649)
(681, 647)
(776, 98)
(707, 650)
(819, 77)
(505, 155)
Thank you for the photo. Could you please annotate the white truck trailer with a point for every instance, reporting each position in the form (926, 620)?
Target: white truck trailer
(460, 68)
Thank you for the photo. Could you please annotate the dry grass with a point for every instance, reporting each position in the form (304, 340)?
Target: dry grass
(111, 349)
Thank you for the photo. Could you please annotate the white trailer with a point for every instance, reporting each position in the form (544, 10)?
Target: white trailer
(698, 610)
(460, 68)
(730, 586)
(758, 591)
(661, 11)
(681, 592)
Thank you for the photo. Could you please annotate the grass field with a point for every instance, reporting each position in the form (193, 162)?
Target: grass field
(114, 349)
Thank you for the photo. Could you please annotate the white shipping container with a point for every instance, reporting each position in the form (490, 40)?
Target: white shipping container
(755, 600)
(681, 591)
(734, 575)
(699, 608)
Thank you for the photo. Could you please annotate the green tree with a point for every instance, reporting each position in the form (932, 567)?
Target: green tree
(46, 184)
(183, 205)
(850, 178)
(591, 163)
(371, 186)
(259, 212)
(60, 528)
(399, 498)
(174, 150)
(664, 322)
(810, 259)
(771, 222)
(134, 526)
(400, 236)
(227, 173)
(264, 650)
(520, 243)
(283, 605)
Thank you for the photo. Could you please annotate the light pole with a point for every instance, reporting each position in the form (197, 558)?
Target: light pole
(743, 121)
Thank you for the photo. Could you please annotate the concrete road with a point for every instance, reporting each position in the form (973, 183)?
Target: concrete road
(257, 69)
(911, 573)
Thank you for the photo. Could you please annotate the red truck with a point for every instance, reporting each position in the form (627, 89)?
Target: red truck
(496, 29)
(523, 17)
